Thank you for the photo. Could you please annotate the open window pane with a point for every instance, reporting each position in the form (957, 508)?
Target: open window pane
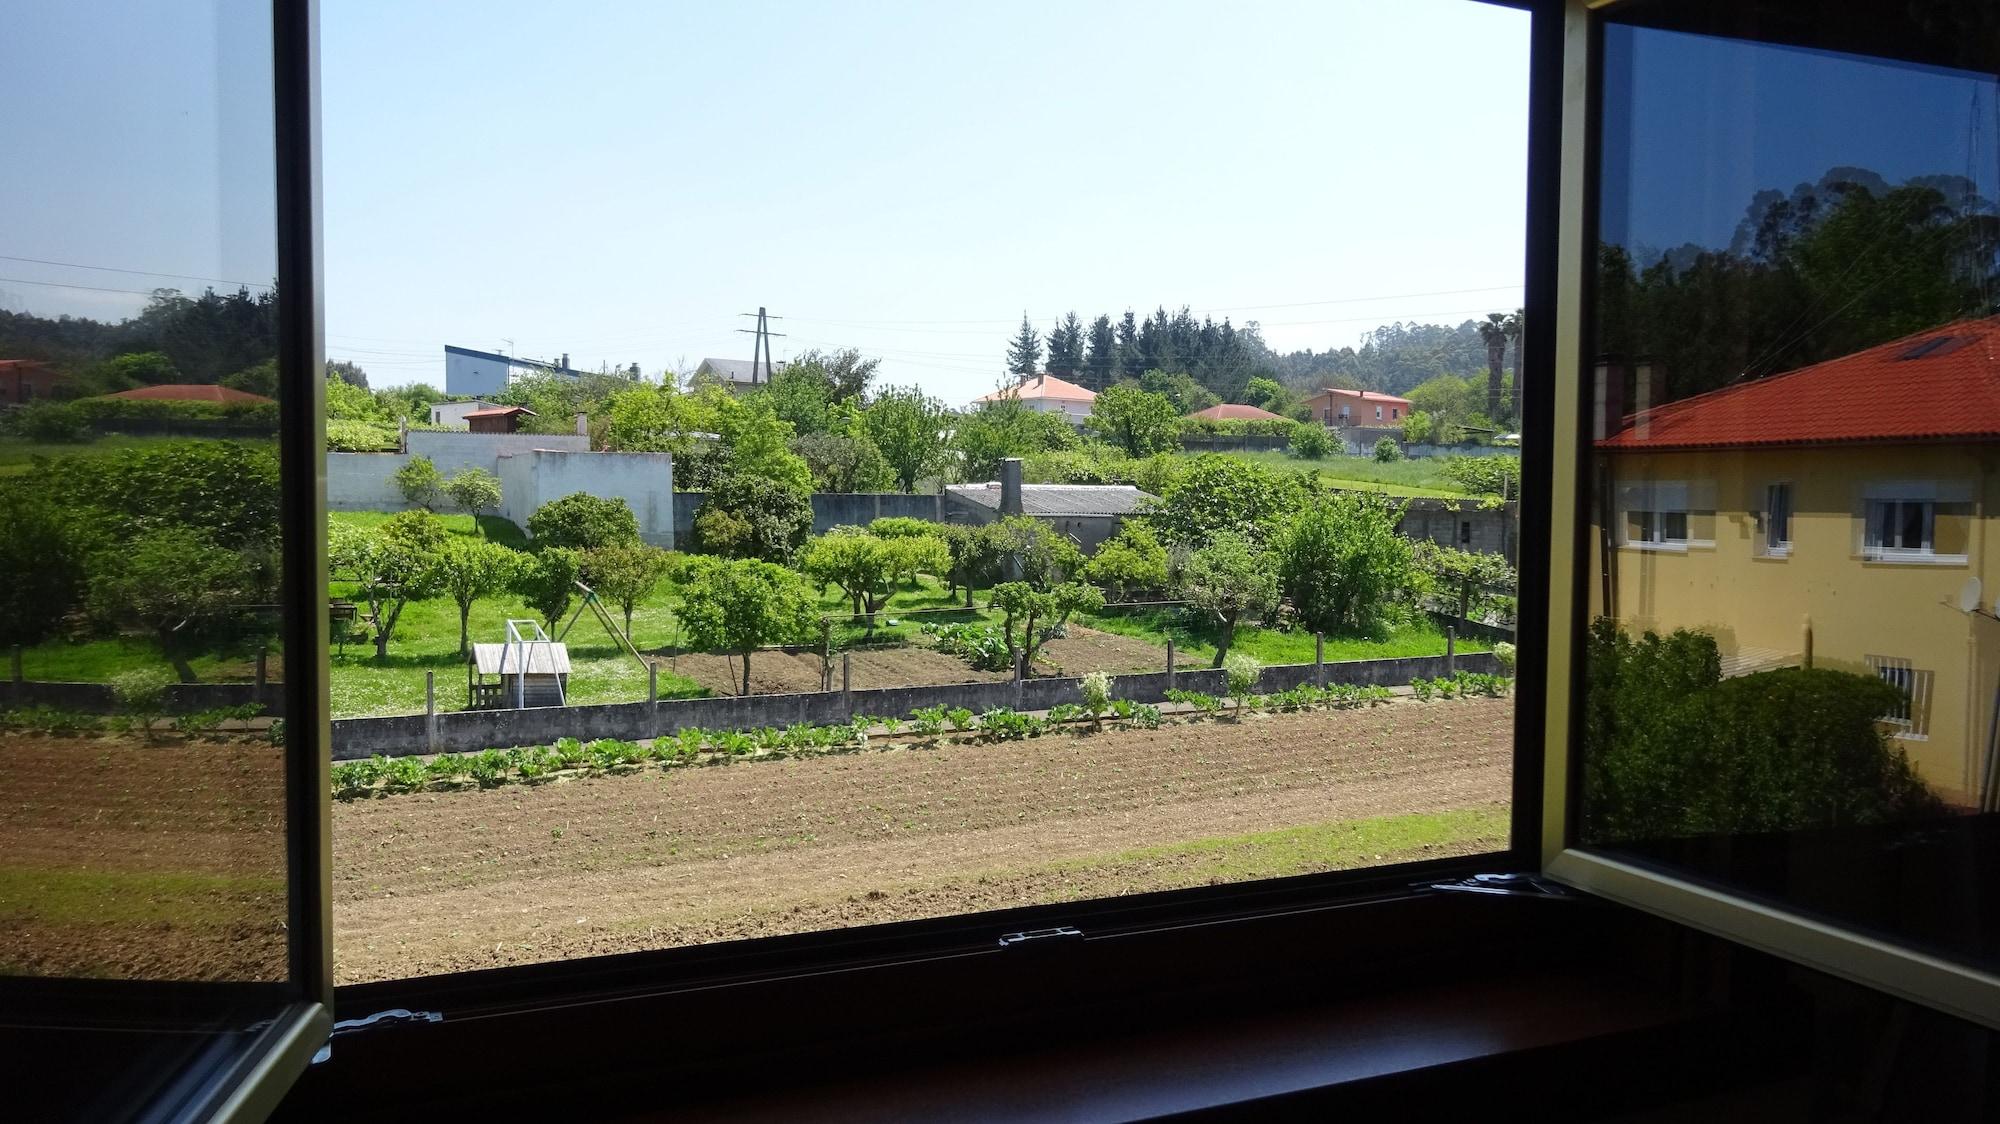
(1794, 295)
(776, 327)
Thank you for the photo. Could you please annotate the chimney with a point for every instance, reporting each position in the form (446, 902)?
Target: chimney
(1010, 486)
(1607, 399)
(583, 425)
(565, 362)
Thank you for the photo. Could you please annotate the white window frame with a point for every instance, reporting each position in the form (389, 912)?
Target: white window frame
(1768, 523)
(1654, 503)
(1930, 496)
(1912, 720)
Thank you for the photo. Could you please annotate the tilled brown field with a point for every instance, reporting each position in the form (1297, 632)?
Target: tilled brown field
(126, 859)
(445, 881)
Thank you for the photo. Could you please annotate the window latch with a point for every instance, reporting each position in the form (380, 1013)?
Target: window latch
(1516, 885)
(1041, 938)
(395, 1016)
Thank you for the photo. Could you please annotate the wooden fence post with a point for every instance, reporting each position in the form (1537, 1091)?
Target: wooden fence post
(1319, 659)
(1170, 663)
(1020, 676)
(430, 712)
(1450, 650)
(18, 677)
(653, 696)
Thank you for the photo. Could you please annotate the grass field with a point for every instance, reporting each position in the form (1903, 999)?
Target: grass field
(1395, 478)
(1196, 640)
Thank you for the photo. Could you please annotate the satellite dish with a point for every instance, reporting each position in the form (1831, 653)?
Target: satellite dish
(1968, 596)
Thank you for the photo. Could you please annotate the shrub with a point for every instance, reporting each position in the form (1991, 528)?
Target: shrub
(1504, 654)
(421, 483)
(1310, 441)
(1241, 671)
(345, 435)
(767, 520)
(979, 645)
(51, 422)
(141, 692)
(1132, 561)
(929, 720)
(1672, 749)
(581, 521)
(960, 718)
(1386, 450)
(1096, 689)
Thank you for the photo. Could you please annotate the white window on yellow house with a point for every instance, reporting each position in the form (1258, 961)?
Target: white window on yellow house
(1912, 719)
(1666, 515)
(1774, 530)
(1916, 522)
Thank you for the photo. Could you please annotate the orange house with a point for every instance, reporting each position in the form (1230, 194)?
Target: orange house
(1336, 407)
(24, 380)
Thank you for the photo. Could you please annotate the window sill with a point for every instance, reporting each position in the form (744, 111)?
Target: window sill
(1913, 559)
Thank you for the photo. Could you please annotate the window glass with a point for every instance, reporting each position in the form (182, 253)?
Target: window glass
(1795, 284)
(709, 453)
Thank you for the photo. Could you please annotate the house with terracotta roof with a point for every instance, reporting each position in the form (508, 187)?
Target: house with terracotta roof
(1047, 394)
(1237, 411)
(25, 380)
(1336, 408)
(1837, 515)
(193, 392)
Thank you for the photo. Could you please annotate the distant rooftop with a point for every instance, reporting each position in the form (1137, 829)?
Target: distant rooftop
(190, 392)
(734, 370)
(1059, 499)
(1237, 411)
(1042, 386)
(512, 360)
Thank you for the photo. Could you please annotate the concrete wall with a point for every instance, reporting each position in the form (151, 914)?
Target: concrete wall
(1461, 451)
(180, 698)
(533, 469)
(833, 509)
(1464, 524)
(462, 731)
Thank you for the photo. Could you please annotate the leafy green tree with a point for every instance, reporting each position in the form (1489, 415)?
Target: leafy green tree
(803, 396)
(348, 372)
(866, 566)
(421, 483)
(653, 419)
(1343, 564)
(1311, 441)
(626, 574)
(976, 555)
(1467, 579)
(764, 519)
(843, 463)
(1227, 580)
(258, 378)
(744, 605)
(468, 570)
(1024, 354)
(1131, 561)
(1037, 553)
(1039, 613)
(1180, 388)
(546, 579)
(1220, 494)
(908, 426)
(840, 376)
(42, 565)
(474, 490)
(347, 402)
(390, 568)
(1418, 427)
(759, 444)
(132, 370)
(582, 521)
(1138, 422)
(1386, 450)
(1006, 427)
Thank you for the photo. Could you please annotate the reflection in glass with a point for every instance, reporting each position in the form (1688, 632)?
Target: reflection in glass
(1794, 661)
(141, 759)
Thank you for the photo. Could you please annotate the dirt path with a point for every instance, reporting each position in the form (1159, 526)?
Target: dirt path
(437, 882)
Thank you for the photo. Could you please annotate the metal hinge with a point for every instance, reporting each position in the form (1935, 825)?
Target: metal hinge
(397, 1016)
(1520, 885)
(1041, 938)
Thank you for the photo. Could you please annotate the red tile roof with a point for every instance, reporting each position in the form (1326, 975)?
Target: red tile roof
(1941, 384)
(1042, 386)
(190, 392)
(499, 411)
(1363, 395)
(1236, 410)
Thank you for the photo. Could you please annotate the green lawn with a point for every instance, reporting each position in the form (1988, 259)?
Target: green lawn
(502, 531)
(17, 455)
(1196, 640)
(1396, 478)
(1317, 847)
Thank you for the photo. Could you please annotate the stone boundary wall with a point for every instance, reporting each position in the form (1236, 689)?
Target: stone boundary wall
(833, 509)
(181, 698)
(1234, 442)
(472, 730)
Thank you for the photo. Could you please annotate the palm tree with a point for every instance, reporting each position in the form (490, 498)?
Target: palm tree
(1513, 330)
(1493, 330)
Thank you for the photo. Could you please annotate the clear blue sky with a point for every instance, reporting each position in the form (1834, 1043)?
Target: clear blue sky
(618, 180)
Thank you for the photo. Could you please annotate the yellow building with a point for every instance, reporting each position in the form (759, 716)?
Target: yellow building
(1840, 515)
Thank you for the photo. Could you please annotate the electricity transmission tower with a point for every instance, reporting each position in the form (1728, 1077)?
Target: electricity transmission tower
(762, 346)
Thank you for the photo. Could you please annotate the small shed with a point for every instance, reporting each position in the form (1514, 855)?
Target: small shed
(499, 419)
(525, 673)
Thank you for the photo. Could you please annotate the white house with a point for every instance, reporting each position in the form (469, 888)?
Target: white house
(468, 372)
(1047, 394)
(451, 415)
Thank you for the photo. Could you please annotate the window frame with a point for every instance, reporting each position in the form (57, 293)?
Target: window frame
(1949, 986)
(1769, 546)
(1226, 915)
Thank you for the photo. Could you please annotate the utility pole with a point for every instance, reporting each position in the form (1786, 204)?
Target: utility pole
(762, 346)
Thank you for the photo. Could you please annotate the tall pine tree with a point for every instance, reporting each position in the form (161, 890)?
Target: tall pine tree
(1066, 347)
(1024, 355)
(1101, 356)
(1130, 363)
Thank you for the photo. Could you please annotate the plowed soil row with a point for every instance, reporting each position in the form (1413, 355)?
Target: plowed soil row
(1081, 652)
(435, 882)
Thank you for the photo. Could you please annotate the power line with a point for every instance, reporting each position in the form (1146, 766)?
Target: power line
(135, 272)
